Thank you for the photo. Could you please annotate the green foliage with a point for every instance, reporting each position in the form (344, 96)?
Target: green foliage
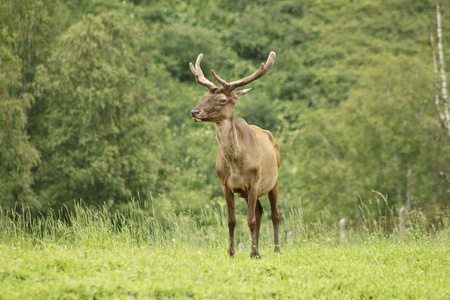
(260, 110)
(379, 140)
(96, 138)
(17, 155)
(181, 43)
(272, 27)
(29, 28)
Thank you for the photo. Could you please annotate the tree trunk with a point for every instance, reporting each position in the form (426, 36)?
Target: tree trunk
(409, 187)
(446, 114)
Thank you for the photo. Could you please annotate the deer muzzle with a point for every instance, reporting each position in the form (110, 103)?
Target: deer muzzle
(194, 114)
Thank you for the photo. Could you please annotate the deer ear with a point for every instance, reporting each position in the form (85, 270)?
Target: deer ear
(241, 93)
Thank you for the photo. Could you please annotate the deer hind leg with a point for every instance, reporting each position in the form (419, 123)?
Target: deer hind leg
(258, 214)
(276, 216)
(229, 197)
(252, 221)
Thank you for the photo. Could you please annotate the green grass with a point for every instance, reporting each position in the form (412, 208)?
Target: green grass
(98, 255)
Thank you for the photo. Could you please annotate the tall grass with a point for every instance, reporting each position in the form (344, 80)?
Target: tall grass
(101, 228)
(143, 253)
(138, 224)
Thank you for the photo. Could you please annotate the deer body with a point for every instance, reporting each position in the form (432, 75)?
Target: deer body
(239, 170)
(248, 159)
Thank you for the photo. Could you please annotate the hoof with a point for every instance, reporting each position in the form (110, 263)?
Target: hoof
(231, 251)
(277, 250)
(255, 255)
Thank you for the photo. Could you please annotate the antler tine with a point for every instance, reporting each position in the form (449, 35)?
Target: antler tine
(228, 87)
(199, 76)
(219, 80)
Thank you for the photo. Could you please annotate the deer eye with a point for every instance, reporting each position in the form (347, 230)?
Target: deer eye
(223, 101)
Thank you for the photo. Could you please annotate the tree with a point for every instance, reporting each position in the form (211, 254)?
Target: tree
(95, 133)
(27, 30)
(382, 139)
(31, 26)
(443, 113)
(17, 155)
(181, 43)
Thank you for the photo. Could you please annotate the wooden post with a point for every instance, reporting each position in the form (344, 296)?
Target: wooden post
(289, 237)
(342, 229)
(401, 221)
(241, 246)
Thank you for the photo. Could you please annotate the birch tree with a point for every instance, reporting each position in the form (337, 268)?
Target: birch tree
(440, 75)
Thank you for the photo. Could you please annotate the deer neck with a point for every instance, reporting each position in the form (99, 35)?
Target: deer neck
(228, 139)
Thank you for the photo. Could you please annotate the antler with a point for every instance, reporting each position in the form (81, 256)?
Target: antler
(228, 87)
(200, 77)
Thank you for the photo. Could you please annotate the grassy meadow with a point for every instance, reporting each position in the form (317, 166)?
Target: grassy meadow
(95, 254)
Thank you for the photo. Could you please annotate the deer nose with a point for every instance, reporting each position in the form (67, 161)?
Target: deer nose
(194, 113)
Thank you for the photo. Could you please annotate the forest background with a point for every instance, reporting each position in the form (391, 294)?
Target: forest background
(95, 98)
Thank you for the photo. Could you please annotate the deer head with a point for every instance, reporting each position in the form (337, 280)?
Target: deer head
(219, 103)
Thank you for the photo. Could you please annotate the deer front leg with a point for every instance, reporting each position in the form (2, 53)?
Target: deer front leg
(276, 216)
(252, 221)
(229, 197)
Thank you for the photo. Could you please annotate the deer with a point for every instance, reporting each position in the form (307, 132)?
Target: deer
(249, 157)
